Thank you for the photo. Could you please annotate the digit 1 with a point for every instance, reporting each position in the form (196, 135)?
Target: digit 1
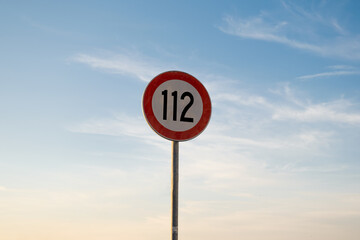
(164, 93)
(174, 94)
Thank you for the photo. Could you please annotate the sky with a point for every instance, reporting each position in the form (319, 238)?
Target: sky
(279, 159)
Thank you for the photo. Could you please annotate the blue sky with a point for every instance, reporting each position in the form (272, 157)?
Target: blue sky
(279, 158)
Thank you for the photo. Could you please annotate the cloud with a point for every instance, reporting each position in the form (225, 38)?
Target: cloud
(321, 215)
(342, 67)
(136, 65)
(324, 112)
(329, 74)
(242, 99)
(337, 70)
(127, 64)
(291, 107)
(222, 162)
(119, 125)
(294, 32)
(228, 155)
(234, 165)
(257, 28)
(5, 189)
(250, 137)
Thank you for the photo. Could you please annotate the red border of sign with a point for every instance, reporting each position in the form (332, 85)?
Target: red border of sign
(156, 125)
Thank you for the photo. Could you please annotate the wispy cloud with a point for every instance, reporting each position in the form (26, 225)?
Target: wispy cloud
(287, 31)
(325, 112)
(258, 28)
(128, 64)
(238, 145)
(342, 67)
(6, 189)
(119, 125)
(329, 74)
(295, 108)
(322, 216)
(337, 70)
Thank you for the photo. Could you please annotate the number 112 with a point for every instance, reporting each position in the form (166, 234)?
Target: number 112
(174, 94)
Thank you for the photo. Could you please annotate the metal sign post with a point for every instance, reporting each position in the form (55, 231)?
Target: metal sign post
(175, 190)
(177, 107)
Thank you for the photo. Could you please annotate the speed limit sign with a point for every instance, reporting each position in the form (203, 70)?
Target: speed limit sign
(176, 106)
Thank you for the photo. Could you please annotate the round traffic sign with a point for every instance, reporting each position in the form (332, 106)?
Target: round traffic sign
(176, 106)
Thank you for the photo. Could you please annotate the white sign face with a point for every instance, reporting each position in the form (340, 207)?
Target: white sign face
(177, 105)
